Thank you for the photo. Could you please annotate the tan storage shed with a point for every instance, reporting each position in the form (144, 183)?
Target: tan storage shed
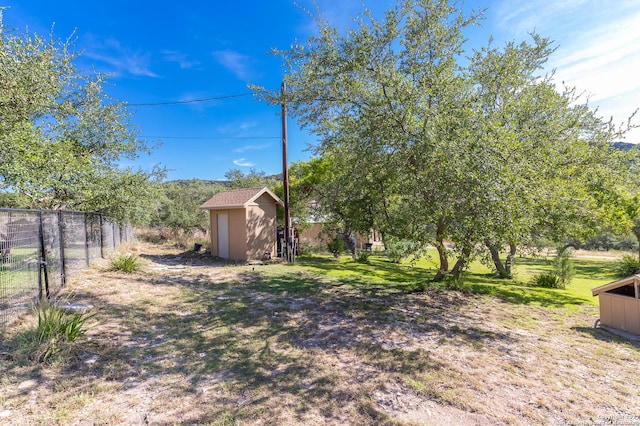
(620, 304)
(243, 223)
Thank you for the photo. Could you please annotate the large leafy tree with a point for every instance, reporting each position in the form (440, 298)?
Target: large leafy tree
(624, 217)
(179, 206)
(549, 154)
(380, 98)
(62, 137)
(430, 150)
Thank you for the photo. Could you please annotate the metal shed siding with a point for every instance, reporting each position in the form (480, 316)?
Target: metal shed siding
(633, 316)
(620, 304)
(620, 312)
(606, 316)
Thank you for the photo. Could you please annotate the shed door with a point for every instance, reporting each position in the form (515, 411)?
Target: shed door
(223, 235)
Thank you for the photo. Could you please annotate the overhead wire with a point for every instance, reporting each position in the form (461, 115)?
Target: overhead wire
(191, 101)
(210, 138)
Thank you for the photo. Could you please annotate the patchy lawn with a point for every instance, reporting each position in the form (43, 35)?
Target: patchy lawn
(191, 341)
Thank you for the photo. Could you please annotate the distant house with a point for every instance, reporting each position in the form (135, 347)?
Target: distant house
(243, 223)
(314, 232)
(620, 304)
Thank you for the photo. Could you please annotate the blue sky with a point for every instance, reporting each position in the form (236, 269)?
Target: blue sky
(181, 51)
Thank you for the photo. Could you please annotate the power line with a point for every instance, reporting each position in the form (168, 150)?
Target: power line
(192, 101)
(210, 138)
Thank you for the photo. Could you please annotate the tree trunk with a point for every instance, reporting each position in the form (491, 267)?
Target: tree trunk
(350, 242)
(511, 257)
(442, 254)
(636, 232)
(495, 256)
(461, 262)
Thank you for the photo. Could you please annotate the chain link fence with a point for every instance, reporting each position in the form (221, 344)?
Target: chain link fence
(40, 250)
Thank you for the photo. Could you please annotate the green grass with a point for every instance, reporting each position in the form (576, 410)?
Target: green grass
(380, 272)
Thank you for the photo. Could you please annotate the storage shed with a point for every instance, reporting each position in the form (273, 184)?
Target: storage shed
(620, 304)
(243, 223)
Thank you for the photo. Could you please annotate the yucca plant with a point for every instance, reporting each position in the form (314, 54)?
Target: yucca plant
(56, 329)
(128, 263)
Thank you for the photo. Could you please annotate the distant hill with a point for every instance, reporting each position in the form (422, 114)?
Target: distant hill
(624, 146)
(223, 183)
(187, 182)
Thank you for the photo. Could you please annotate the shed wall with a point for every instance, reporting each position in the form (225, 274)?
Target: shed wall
(261, 229)
(620, 312)
(213, 221)
(237, 235)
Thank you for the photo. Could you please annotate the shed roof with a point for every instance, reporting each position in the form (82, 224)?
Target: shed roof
(625, 281)
(238, 198)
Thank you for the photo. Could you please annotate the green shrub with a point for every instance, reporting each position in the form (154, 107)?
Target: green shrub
(55, 332)
(562, 274)
(128, 263)
(363, 256)
(398, 249)
(563, 267)
(629, 265)
(547, 280)
(335, 246)
(311, 247)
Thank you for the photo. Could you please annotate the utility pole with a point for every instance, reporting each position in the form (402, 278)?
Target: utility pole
(1, 9)
(288, 250)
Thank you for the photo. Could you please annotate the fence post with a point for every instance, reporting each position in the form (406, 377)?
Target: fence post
(86, 239)
(101, 237)
(43, 260)
(63, 266)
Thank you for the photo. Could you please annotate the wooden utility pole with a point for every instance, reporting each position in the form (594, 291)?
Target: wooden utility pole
(1, 9)
(288, 249)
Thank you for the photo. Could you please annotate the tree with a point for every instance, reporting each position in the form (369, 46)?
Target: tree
(61, 136)
(623, 216)
(253, 179)
(179, 207)
(556, 153)
(478, 152)
(380, 98)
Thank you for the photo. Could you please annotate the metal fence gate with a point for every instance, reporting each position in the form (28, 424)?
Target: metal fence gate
(40, 249)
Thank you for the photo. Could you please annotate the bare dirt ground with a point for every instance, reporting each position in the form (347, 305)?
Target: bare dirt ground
(191, 341)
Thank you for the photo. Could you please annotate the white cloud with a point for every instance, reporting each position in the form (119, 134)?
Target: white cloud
(235, 62)
(121, 59)
(238, 128)
(243, 163)
(246, 148)
(180, 58)
(598, 48)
